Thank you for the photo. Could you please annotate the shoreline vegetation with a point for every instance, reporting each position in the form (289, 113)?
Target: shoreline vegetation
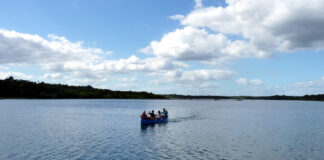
(318, 97)
(11, 88)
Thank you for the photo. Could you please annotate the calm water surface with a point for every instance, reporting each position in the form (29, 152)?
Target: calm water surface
(197, 129)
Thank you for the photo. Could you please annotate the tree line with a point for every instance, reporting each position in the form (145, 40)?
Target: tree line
(318, 97)
(12, 88)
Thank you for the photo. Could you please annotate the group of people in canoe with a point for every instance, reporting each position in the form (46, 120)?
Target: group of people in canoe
(152, 116)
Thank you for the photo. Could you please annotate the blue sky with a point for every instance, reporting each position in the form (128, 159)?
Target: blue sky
(208, 47)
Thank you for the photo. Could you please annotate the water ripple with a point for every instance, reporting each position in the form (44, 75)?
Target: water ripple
(111, 129)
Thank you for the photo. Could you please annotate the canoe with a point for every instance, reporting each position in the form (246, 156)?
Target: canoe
(145, 121)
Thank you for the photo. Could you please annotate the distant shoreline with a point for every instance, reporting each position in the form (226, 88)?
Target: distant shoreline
(319, 97)
(20, 98)
(11, 88)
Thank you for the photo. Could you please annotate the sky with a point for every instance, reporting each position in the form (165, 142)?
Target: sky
(190, 47)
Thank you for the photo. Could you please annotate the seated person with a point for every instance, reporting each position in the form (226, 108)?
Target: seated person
(152, 115)
(164, 113)
(144, 116)
(159, 115)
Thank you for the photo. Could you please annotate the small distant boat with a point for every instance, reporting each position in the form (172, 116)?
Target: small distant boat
(162, 120)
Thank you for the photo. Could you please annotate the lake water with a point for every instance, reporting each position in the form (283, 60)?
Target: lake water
(197, 129)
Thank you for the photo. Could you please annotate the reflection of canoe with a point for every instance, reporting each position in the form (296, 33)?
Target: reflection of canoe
(145, 121)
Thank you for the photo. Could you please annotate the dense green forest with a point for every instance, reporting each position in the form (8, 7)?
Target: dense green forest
(12, 88)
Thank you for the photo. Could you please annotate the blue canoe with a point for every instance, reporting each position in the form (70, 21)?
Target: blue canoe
(145, 121)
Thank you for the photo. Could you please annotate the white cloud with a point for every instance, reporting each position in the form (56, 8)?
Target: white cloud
(109, 52)
(267, 25)
(197, 82)
(194, 44)
(21, 48)
(79, 82)
(51, 76)
(177, 17)
(244, 81)
(255, 82)
(146, 50)
(323, 78)
(192, 77)
(260, 28)
(197, 75)
(60, 55)
(131, 65)
(131, 79)
(208, 85)
(199, 4)
(16, 75)
(301, 88)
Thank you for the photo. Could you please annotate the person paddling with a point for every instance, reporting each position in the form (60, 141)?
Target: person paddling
(152, 115)
(152, 118)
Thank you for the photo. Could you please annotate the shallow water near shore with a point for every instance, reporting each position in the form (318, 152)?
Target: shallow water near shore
(197, 129)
